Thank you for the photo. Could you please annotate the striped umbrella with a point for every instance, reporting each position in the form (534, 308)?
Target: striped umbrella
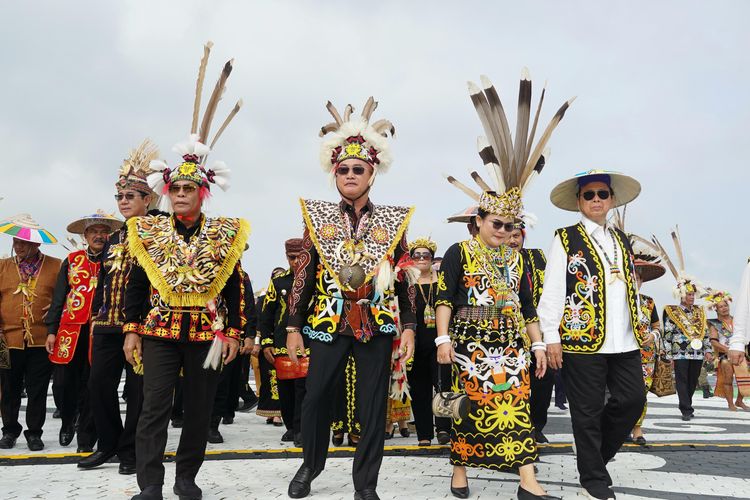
(25, 228)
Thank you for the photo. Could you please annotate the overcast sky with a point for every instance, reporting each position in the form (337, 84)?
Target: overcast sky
(662, 95)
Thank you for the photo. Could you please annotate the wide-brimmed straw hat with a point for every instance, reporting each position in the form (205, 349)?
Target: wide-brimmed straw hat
(100, 218)
(624, 187)
(25, 228)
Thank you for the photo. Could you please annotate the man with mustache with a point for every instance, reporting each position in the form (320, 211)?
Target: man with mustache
(27, 281)
(69, 327)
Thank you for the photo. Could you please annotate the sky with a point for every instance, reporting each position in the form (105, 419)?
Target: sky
(662, 95)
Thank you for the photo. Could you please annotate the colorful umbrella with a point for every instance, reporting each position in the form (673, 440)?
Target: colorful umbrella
(25, 228)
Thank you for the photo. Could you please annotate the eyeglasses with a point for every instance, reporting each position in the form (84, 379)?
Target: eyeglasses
(344, 170)
(126, 196)
(497, 225)
(421, 256)
(603, 194)
(187, 188)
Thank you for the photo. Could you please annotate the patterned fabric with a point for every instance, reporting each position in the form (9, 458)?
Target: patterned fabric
(83, 274)
(536, 262)
(724, 334)
(583, 327)
(115, 269)
(187, 273)
(345, 415)
(492, 358)
(676, 340)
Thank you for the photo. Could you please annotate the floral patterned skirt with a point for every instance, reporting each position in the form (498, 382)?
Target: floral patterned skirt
(492, 368)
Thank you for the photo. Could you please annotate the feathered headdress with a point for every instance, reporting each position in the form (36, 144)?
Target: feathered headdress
(685, 283)
(353, 136)
(423, 243)
(647, 256)
(715, 297)
(136, 168)
(195, 151)
(510, 166)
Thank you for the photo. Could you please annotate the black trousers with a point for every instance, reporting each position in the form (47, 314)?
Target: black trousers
(107, 363)
(541, 395)
(291, 395)
(162, 361)
(560, 398)
(686, 373)
(177, 410)
(245, 391)
(73, 380)
(600, 428)
(30, 368)
(327, 361)
(423, 381)
(221, 407)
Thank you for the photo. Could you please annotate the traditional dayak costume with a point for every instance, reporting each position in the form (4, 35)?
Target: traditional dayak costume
(26, 288)
(107, 355)
(69, 320)
(491, 297)
(686, 337)
(346, 268)
(184, 297)
(590, 306)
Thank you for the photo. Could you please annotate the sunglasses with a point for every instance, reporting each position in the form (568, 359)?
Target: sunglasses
(344, 170)
(126, 196)
(497, 225)
(603, 194)
(421, 256)
(187, 188)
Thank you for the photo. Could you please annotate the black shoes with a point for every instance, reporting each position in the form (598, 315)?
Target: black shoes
(8, 441)
(604, 494)
(337, 439)
(443, 437)
(227, 420)
(66, 435)
(462, 492)
(688, 417)
(186, 489)
(541, 438)
(288, 436)
(248, 404)
(35, 443)
(126, 468)
(524, 494)
(152, 492)
(404, 433)
(298, 440)
(367, 494)
(85, 448)
(707, 392)
(214, 436)
(95, 459)
(299, 487)
(640, 440)
(424, 443)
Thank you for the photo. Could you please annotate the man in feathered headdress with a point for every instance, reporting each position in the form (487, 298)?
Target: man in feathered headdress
(69, 327)
(134, 197)
(183, 303)
(591, 324)
(27, 281)
(686, 337)
(346, 267)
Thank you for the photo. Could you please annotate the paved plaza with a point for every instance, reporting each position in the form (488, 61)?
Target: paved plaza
(708, 457)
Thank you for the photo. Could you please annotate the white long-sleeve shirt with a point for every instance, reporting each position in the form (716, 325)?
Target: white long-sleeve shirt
(741, 314)
(619, 336)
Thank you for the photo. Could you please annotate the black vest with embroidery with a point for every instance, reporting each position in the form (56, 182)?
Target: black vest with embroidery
(536, 262)
(583, 325)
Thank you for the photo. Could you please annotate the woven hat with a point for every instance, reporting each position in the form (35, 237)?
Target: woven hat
(79, 226)
(624, 187)
(25, 228)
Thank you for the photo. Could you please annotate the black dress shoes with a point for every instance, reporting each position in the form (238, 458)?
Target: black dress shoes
(8, 441)
(443, 437)
(214, 436)
(152, 492)
(66, 435)
(186, 489)
(524, 494)
(298, 440)
(288, 436)
(34, 443)
(84, 448)
(541, 438)
(337, 439)
(95, 459)
(299, 487)
(126, 468)
(367, 494)
(462, 492)
(227, 420)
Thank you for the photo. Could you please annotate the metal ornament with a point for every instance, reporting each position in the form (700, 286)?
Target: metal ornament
(696, 344)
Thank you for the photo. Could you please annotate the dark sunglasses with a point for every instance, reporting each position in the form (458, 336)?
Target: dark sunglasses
(187, 188)
(603, 194)
(344, 170)
(126, 196)
(421, 256)
(497, 225)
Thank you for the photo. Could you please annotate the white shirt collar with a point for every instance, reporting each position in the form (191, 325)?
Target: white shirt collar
(591, 226)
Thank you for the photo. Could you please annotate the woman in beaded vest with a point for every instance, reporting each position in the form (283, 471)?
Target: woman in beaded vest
(720, 331)
(487, 324)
